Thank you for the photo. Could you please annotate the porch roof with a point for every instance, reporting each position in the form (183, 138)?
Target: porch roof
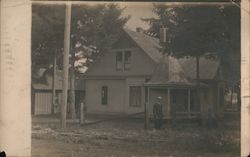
(175, 85)
(170, 73)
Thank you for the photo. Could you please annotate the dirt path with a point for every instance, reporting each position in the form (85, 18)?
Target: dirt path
(127, 138)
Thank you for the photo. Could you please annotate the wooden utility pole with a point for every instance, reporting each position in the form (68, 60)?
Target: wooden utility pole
(82, 113)
(198, 89)
(72, 87)
(53, 86)
(147, 118)
(66, 65)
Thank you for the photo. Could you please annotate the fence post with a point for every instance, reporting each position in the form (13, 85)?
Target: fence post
(82, 113)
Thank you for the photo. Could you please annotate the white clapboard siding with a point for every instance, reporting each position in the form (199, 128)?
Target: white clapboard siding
(43, 103)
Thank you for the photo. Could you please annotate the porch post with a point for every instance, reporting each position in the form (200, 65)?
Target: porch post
(146, 125)
(169, 105)
(53, 86)
(189, 103)
(218, 101)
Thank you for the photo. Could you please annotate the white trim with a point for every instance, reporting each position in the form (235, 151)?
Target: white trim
(123, 59)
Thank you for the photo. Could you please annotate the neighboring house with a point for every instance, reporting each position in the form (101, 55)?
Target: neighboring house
(134, 72)
(42, 95)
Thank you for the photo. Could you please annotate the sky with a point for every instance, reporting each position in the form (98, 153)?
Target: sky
(137, 10)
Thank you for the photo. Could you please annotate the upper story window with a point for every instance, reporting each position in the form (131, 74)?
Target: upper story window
(119, 60)
(127, 60)
(123, 60)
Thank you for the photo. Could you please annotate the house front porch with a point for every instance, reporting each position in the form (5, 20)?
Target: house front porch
(177, 102)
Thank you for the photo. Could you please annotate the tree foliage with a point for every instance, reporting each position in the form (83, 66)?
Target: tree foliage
(196, 30)
(47, 34)
(93, 28)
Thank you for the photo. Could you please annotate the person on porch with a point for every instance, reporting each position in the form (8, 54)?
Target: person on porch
(157, 111)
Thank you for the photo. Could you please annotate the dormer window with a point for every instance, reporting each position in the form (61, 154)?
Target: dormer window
(123, 60)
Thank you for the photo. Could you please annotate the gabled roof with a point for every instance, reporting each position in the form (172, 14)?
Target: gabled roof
(169, 72)
(151, 46)
(148, 44)
(79, 84)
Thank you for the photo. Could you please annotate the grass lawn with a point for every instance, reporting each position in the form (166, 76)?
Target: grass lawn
(126, 137)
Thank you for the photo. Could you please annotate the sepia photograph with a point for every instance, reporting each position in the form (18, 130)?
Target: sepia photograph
(136, 79)
(130, 79)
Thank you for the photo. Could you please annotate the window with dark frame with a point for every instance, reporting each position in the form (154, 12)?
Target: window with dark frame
(104, 95)
(135, 96)
(123, 60)
(119, 60)
(127, 60)
(57, 98)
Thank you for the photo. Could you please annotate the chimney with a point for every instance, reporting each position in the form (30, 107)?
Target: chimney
(139, 30)
(163, 35)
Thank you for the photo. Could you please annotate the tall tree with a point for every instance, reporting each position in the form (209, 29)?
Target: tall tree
(93, 29)
(197, 30)
(47, 34)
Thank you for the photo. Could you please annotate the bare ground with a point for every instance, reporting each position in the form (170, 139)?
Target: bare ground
(126, 137)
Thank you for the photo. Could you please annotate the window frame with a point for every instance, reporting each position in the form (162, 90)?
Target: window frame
(130, 93)
(125, 65)
(116, 66)
(125, 62)
(104, 95)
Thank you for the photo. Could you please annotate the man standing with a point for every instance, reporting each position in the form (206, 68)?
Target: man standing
(157, 111)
